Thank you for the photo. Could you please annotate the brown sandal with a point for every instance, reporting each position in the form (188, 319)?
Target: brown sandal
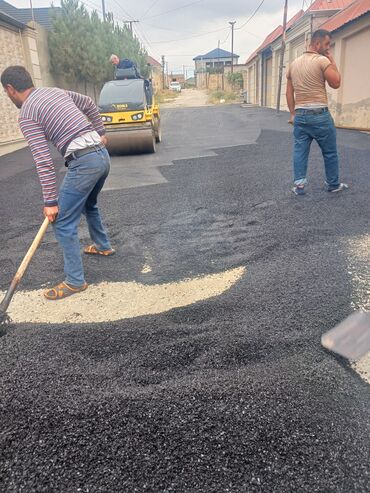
(63, 290)
(92, 250)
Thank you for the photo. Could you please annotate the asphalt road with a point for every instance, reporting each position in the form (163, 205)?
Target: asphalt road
(232, 394)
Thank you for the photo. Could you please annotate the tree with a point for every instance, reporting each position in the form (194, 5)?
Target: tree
(80, 45)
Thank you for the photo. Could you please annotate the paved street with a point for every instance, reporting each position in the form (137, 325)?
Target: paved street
(204, 372)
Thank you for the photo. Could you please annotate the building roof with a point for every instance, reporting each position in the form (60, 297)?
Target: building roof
(316, 6)
(8, 19)
(8, 14)
(355, 10)
(41, 15)
(152, 61)
(329, 5)
(8, 9)
(275, 34)
(216, 53)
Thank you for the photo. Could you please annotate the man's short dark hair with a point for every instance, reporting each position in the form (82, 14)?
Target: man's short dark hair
(319, 35)
(18, 77)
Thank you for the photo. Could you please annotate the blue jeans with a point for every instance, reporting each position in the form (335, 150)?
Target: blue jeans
(319, 127)
(78, 195)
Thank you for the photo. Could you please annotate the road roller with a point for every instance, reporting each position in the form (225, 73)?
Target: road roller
(130, 115)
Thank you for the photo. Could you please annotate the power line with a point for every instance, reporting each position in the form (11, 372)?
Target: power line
(92, 6)
(123, 10)
(227, 37)
(178, 30)
(149, 9)
(175, 9)
(251, 17)
(190, 37)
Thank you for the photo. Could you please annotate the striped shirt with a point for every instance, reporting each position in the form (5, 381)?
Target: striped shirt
(51, 114)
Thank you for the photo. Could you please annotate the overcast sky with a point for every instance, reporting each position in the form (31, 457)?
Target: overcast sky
(183, 29)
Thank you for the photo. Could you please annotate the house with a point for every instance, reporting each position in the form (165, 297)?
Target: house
(214, 61)
(210, 64)
(177, 78)
(40, 15)
(263, 63)
(156, 73)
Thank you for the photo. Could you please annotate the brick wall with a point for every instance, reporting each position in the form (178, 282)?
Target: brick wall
(11, 53)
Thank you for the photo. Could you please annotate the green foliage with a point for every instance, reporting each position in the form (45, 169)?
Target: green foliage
(216, 97)
(235, 79)
(81, 44)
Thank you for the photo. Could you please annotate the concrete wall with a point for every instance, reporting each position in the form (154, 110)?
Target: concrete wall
(351, 103)
(11, 53)
(211, 82)
(240, 68)
(157, 78)
(214, 82)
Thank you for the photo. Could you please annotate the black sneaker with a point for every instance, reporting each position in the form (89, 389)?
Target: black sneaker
(299, 190)
(340, 188)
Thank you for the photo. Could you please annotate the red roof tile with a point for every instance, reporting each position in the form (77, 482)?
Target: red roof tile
(294, 19)
(276, 33)
(253, 55)
(153, 61)
(352, 12)
(329, 5)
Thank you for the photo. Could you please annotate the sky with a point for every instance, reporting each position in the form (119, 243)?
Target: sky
(183, 29)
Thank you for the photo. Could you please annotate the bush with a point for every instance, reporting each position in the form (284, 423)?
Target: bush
(236, 80)
(216, 97)
(165, 95)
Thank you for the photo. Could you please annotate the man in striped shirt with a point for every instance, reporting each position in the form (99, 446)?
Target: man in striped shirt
(71, 121)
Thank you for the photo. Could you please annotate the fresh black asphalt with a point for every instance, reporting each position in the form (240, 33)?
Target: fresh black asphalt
(234, 394)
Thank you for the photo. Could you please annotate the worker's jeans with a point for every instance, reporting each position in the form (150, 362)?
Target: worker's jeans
(319, 127)
(78, 195)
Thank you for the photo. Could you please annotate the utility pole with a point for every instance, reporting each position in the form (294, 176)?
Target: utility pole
(218, 68)
(130, 24)
(32, 12)
(103, 10)
(282, 53)
(232, 24)
(163, 69)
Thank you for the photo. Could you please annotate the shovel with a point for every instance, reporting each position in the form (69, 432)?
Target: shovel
(4, 318)
(351, 338)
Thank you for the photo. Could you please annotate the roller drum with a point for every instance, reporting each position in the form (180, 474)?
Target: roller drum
(131, 142)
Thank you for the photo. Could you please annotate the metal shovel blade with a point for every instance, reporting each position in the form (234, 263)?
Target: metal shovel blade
(351, 338)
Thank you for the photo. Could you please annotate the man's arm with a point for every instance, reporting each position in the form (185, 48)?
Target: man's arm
(290, 98)
(35, 136)
(332, 74)
(88, 108)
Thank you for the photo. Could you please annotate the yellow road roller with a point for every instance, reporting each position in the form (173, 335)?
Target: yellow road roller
(131, 116)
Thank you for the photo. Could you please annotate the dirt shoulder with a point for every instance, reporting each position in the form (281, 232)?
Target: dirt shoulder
(189, 98)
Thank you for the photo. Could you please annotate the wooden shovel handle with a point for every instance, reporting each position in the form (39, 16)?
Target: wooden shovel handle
(31, 251)
(23, 267)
